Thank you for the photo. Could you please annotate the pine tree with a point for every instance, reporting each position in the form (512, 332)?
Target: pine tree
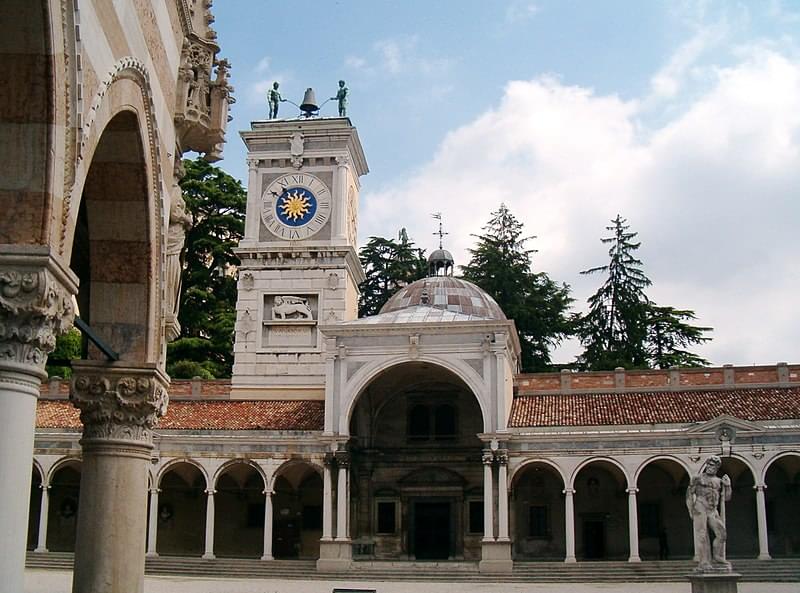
(614, 331)
(668, 336)
(623, 327)
(207, 314)
(501, 265)
(388, 265)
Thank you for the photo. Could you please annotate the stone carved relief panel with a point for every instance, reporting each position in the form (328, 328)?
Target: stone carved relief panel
(289, 322)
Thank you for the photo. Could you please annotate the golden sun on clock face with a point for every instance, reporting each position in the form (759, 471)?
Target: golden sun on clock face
(296, 206)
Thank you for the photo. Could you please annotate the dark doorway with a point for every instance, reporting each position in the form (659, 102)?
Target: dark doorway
(594, 539)
(432, 530)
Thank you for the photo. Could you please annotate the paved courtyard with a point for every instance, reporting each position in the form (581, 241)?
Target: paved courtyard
(58, 581)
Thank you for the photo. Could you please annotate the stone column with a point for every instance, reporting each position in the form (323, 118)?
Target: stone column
(342, 502)
(502, 495)
(488, 496)
(209, 553)
(569, 512)
(633, 526)
(35, 307)
(327, 499)
(44, 509)
(267, 526)
(152, 531)
(761, 511)
(119, 403)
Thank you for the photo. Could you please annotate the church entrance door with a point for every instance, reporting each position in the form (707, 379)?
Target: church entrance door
(594, 539)
(432, 530)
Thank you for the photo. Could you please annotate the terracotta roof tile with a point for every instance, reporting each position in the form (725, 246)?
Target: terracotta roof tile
(655, 407)
(208, 415)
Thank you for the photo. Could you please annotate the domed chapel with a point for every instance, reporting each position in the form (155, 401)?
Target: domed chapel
(411, 435)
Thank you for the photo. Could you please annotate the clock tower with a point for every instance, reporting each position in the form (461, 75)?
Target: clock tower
(299, 264)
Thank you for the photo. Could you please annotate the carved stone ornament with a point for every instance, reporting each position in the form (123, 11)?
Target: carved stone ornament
(35, 307)
(342, 459)
(118, 402)
(288, 307)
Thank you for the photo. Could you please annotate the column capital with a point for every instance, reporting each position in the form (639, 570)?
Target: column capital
(35, 306)
(118, 401)
(568, 491)
(760, 487)
(45, 487)
(632, 491)
(268, 493)
(487, 457)
(502, 456)
(154, 490)
(210, 491)
(342, 459)
(252, 164)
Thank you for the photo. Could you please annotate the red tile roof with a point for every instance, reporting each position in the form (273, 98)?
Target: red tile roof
(655, 407)
(208, 415)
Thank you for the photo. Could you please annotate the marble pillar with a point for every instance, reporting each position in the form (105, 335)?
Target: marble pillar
(569, 513)
(210, 518)
(502, 496)
(327, 499)
(44, 510)
(267, 555)
(488, 496)
(342, 502)
(152, 526)
(761, 512)
(35, 306)
(120, 404)
(633, 526)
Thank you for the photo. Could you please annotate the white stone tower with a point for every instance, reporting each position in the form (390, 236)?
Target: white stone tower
(299, 261)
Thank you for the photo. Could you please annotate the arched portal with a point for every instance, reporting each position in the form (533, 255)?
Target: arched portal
(239, 512)
(181, 511)
(296, 511)
(741, 519)
(113, 250)
(537, 510)
(416, 474)
(665, 529)
(601, 512)
(783, 502)
(34, 508)
(65, 489)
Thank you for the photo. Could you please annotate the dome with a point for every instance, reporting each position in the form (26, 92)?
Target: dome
(447, 293)
(440, 255)
(440, 263)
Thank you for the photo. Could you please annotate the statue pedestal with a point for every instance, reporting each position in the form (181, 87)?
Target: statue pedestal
(335, 556)
(496, 557)
(715, 582)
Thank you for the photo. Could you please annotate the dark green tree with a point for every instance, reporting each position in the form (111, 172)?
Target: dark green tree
(207, 314)
(614, 331)
(388, 265)
(68, 347)
(669, 334)
(623, 327)
(501, 265)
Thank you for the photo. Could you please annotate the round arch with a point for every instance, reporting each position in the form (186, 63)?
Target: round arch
(288, 464)
(170, 465)
(518, 470)
(372, 371)
(37, 467)
(225, 467)
(61, 463)
(591, 460)
(773, 459)
(655, 458)
(64, 480)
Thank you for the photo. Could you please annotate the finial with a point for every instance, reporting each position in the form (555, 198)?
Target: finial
(441, 233)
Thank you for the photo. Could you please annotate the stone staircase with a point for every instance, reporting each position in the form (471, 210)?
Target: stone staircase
(781, 570)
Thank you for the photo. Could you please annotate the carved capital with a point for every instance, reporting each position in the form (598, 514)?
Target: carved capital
(487, 456)
(327, 460)
(35, 305)
(342, 459)
(502, 456)
(118, 402)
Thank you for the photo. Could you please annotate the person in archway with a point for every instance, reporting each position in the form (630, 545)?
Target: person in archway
(703, 502)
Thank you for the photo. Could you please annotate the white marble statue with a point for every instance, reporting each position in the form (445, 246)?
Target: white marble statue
(705, 499)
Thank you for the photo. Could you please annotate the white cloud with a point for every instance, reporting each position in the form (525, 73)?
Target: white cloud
(712, 191)
(396, 56)
(520, 11)
(263, 64)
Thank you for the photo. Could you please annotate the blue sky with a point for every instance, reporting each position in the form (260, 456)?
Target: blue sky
(682, 116)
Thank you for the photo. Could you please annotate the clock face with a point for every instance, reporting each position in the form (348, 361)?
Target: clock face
(296, 206)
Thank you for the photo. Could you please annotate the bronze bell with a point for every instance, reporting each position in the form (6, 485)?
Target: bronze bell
(309, 105)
